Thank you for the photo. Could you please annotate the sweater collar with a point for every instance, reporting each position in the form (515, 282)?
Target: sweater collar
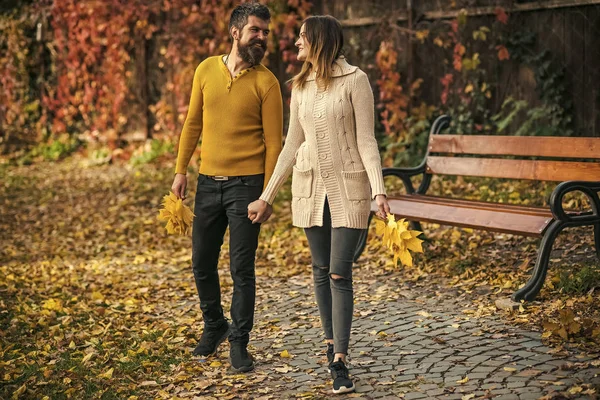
(340, 68)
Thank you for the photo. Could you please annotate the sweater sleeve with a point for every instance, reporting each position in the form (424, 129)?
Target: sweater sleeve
(192, 128)
(285, 162)
(272, 121)
(364, 110)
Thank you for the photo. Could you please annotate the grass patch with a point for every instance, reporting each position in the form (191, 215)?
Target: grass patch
(581, 280)
(152, 151)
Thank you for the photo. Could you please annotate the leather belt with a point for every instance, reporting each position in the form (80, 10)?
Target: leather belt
(220, 177)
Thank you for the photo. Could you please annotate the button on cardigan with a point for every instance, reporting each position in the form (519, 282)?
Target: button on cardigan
(331, 150)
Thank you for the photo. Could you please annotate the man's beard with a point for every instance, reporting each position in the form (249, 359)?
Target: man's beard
(251, 53)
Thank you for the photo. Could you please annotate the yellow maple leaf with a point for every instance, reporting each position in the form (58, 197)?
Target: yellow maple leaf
(406, 258)
(177, 215)
(108, 374)
(396, 236)
(422, 35)
(414, 243)
(285, 354)
(53, 304)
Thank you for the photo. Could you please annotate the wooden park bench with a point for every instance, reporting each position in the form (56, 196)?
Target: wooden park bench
(575, 162)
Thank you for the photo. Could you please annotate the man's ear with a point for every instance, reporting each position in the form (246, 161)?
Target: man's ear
(235, 33)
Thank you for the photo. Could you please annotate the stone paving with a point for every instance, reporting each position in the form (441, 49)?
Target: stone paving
(413, 348)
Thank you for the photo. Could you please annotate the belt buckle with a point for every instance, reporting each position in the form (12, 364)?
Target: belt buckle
(220, 178)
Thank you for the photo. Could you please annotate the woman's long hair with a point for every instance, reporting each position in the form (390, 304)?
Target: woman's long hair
(326, 39)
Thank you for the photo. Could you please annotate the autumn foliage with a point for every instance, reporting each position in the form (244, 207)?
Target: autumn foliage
(399, 239)
(177, 215)
(114, 68)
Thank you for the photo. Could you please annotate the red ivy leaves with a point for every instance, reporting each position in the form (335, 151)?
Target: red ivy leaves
(501, 15)
(502, 52)
(96, 44)
(459, 52)
(392, 99)
(446, 82)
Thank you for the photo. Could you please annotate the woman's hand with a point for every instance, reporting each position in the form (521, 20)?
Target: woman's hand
(382, 204)
(259, 211)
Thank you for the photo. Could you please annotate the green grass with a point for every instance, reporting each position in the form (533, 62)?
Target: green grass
(581, 280)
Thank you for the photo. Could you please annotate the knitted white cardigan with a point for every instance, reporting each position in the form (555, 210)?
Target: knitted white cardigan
(332, 151)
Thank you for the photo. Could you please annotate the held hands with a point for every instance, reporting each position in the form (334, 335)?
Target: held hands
(382, 204)
(259, 211)
(179, 185)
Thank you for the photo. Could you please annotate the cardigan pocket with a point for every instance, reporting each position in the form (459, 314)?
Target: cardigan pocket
(302, 182)
(356, 184)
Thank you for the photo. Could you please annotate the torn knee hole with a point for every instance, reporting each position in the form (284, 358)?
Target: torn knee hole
(337, 277)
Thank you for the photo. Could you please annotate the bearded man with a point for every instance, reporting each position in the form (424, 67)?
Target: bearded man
(236, 107)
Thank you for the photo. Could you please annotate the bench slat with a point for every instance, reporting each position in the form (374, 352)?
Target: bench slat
(515, 169)
(532, 146)
(469, 215)
(483, 205)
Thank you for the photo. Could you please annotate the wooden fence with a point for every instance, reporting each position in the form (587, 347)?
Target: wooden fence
(569, 30)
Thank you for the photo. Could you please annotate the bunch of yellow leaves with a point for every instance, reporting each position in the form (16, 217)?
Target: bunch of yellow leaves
(397, 237)
(178, 215)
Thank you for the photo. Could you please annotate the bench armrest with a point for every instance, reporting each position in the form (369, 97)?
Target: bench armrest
(590, 189)
(404, 174)
(440, 123)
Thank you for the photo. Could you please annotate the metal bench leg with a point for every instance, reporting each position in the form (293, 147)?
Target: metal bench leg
(416, 226)
(535, 283)
(362, 243)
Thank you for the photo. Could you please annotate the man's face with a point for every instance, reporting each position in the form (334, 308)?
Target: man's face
(252, 43)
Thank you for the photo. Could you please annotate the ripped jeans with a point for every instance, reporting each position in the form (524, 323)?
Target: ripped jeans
(332, 251)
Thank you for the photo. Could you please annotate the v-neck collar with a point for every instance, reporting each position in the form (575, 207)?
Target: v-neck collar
(240, 74)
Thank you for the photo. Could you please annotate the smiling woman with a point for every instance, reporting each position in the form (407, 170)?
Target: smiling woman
(332, 152)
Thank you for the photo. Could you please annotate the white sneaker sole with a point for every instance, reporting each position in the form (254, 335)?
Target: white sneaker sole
(344, 389)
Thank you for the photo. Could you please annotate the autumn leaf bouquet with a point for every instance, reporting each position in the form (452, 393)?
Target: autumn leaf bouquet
(398, 238)
(177, 215)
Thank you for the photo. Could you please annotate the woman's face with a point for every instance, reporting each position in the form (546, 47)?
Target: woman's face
(302, 44)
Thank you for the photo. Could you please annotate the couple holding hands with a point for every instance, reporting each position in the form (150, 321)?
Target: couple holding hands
(330, 150)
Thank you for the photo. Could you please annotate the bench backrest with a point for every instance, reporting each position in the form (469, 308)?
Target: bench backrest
(484, 152)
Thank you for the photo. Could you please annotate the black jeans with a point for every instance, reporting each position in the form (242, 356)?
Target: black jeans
(332, 251)
(217, 205)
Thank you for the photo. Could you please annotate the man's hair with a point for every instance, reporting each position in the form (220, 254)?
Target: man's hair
(240, 14)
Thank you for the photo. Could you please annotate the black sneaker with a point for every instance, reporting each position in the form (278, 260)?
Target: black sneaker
(341, 381)
(329, 355)
(211, 339)
(240, 359)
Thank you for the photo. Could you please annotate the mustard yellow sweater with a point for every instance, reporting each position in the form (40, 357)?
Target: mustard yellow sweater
(240, 119)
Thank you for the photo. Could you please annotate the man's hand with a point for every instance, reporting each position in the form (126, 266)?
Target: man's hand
(259, 211)
(179, 185)
(382, 204)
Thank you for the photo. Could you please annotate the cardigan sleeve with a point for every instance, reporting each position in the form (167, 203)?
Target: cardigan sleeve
(287, 157)
(364, 110)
